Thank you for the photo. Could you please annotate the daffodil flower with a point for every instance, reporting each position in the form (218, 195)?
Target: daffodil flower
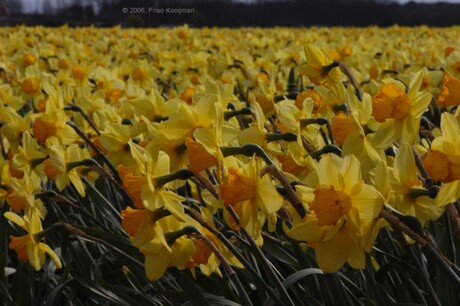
(443, 160)
(450, 91)
(53, 122)
(14, 126)
(253, 197)
(171, 249)
(115, 137)
(319, 68)
(399, 112)
(28, 247)
(257, 133)
(354, 139)
(30, 159)
(60, 165)
(338, 204)
(204, 151)
(410, 196)
(153, 195)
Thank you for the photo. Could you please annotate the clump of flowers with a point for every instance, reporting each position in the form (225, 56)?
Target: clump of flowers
(232, 155)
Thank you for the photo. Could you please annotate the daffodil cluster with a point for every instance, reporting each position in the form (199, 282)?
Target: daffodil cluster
(356, 122)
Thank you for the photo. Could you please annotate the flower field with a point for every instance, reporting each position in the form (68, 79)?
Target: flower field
(179, 166)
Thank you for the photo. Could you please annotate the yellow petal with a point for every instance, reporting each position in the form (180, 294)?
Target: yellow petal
(77, 182)
(420, 104)
(172, 202)
(269, 199)
(54, 257)
(307, 230)
(331, 255)
(369, 202)
(350, 173)
(57, 156)
(162, 165)
(448, 193)
(17, 220)
(385, 135)
(450, 133)
(35, 223)
(415, 84)
(156, 264)
(35, 256)
(356, 258)
(405, 166)
(252, 135)
(426, 209)
(328, 170)
(407, 130)
(207, 139)
(140, 155)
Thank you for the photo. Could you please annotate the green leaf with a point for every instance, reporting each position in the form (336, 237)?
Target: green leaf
(119, 243)
(4, 294)
(219, 300)
(93, 289)
(276, 252)
(292, 279)
(194, 292)
(54, 296)
(21, 289)
(103, 206)
(137, 286)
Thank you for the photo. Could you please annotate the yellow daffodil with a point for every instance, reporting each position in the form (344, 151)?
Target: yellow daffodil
(443, 160)
(450, 91)
(204, 151)
(141, 225)
(14, 126)
(319, 68)
(399, 112)
(60, 165)
(356, 142)
(53, 122)
(156, 196)
(410, 196)
(338, 204)
(8, 97)
(257, 133)
(252, 196)
(115, 137)
(30, 159)
(186, 119)
(28, 248)
(161, 253)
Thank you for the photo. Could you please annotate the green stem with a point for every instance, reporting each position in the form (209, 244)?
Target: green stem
(344, 68)
(183, 174)
(432, 254)
(278, 136)
(326, 149)
(35, 162)
(290, 193)
(76, 108)
(243, 111)
(307, 121)
(247, 150)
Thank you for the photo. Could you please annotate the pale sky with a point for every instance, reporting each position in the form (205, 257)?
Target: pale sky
(39, 6)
